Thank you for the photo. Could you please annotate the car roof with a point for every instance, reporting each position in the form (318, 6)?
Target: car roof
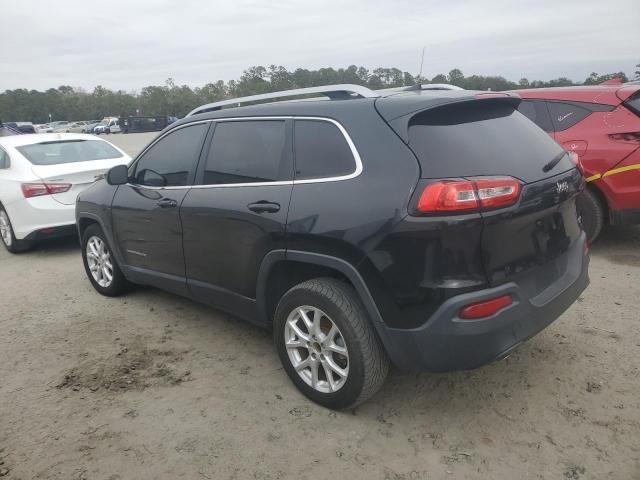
(393, 103)
(604, 94)
(32, 138)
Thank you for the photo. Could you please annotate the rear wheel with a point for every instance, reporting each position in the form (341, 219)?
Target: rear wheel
(591, 213)
(9, 240)
(100, 264)
(327, 345)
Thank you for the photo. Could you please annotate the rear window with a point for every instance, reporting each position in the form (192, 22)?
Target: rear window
(481, 138)
(70, 151)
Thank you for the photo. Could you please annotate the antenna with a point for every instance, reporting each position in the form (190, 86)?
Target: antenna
(421, 63)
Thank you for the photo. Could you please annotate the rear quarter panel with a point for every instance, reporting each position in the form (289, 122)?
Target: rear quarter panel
(348, 218)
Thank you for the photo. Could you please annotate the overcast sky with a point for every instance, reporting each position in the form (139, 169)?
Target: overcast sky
(130, 44)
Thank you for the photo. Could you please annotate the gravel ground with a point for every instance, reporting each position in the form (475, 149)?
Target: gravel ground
(154, 386)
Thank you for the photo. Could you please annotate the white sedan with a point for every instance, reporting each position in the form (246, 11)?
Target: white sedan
(40, 178)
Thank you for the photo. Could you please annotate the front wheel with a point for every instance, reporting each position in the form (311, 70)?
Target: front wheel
(327, 345)
(100, 264)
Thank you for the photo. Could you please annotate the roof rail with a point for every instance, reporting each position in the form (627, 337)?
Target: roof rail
(332, 91)
(423, 86)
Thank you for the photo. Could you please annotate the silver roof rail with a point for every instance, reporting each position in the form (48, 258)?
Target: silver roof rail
(332, 91)
(424, 86)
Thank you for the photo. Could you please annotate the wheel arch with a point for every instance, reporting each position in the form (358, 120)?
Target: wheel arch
(269, 290)
(602, 198)
(280, 270)
(84, 222)
(86, 219)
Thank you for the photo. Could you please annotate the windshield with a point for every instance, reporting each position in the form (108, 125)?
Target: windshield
(69, 151)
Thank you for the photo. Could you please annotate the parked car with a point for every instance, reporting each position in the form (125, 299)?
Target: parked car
(40, 177)
(601, 124)
(22, 127)
(88, 128)
(43, 128)
(145, 124)
(107, 125)
(435, 229)
(58, 125)
(75, 127)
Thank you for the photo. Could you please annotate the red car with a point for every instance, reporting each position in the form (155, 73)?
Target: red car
(601, 123)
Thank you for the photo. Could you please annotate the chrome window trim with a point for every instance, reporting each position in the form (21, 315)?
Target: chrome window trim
(345, 134)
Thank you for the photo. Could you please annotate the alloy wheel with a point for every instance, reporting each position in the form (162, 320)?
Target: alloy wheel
(5, 229)
(316, 349)
(99, 261)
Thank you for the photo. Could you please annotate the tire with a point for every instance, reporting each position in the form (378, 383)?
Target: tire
(8, 238)
(591, 212)
(118, 284)
(330, 302)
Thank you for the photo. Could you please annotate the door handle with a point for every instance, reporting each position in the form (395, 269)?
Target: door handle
(264, 207)
(167, 203)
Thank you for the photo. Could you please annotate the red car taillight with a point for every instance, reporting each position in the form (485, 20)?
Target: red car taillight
(466, 195)
(38, 189)
(485, 308)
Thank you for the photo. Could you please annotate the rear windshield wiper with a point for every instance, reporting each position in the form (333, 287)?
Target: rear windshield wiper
(556, 160)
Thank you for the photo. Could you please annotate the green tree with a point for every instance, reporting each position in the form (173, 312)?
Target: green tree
(71, 103)
(595, 79)
(456, 77)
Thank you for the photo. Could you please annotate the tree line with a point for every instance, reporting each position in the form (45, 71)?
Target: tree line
(69, 103)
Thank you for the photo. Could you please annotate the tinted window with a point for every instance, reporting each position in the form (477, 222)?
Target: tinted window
(565, 115)
(536, 112)
(69, 151)
(481, 138)
(634, 103)
(321, 151)
(528, 109)
(248, 152)
(168, 162)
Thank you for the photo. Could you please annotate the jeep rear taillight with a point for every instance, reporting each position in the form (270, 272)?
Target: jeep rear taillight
(468, 195)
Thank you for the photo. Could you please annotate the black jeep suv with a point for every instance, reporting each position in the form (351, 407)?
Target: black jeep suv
(432, 229)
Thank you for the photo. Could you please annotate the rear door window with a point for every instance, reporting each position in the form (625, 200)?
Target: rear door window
(248, 152)
(170, 161)
(321, 151)
(566, 115)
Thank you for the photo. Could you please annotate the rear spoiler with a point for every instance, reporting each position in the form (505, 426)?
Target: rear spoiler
(399, 118)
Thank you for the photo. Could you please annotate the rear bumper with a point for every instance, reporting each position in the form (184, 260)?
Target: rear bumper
(445, 342)
(30, 216)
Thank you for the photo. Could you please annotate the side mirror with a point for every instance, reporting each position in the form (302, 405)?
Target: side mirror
(118, 175)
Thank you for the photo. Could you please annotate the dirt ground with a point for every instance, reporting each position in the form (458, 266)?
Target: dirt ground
(154, 386)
